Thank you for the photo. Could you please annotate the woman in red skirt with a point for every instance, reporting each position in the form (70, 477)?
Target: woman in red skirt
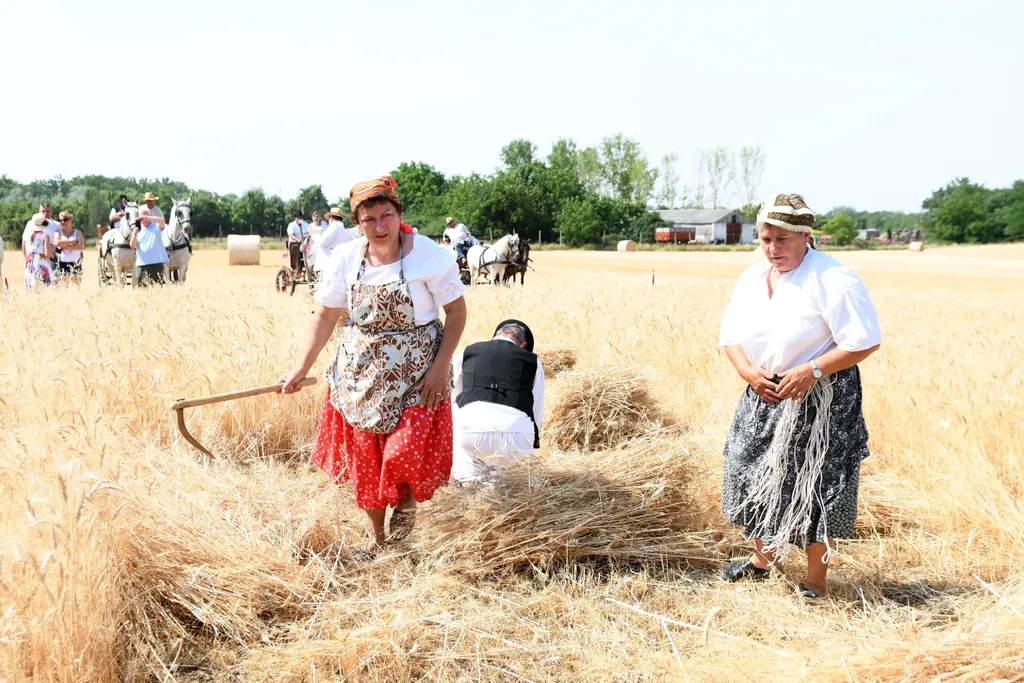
(386, 425)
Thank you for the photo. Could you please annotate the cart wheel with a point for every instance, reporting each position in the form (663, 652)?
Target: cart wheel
(285, 280)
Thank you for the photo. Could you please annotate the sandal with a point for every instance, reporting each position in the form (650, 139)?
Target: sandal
(401, 524)
(810, 595)
(740, 569)
(364, 555)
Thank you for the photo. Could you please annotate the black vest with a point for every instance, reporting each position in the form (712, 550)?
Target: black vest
(499, 372)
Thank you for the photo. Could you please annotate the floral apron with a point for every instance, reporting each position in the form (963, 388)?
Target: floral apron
(382, 355)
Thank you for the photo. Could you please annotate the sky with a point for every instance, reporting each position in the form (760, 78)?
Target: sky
(873, 104)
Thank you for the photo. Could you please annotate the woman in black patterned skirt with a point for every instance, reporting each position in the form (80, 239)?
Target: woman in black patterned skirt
(795, 329)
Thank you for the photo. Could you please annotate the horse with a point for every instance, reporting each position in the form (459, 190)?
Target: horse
(493, 259)
(518, 265)
(177, 242)
(116, 253)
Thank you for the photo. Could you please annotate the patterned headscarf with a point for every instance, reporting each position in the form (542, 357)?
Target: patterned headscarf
(786, 211)
(383, 187)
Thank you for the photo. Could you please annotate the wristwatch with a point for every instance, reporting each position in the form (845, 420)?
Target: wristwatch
(816, 371)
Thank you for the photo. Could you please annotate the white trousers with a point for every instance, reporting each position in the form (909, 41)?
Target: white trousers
(478, 456)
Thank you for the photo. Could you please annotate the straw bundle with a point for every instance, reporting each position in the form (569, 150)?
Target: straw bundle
(243, 250)
(917, 246)
(631, 505)
(626, 245)
(601, 408)
(557, 360)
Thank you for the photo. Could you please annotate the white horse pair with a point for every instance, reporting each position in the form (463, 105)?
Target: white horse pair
(118, 257)
(492, 259)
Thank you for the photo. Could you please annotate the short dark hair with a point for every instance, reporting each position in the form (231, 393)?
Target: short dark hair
(514, 330)
(376, 200)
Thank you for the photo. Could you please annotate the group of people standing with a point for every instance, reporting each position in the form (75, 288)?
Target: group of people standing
(52, 249)
(311, 244)
(795, 330)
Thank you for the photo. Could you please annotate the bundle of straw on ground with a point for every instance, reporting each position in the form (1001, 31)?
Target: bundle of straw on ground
(635, 505)
(556, 361)
(601, 408)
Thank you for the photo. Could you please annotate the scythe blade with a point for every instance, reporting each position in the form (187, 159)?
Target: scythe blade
(181, 404)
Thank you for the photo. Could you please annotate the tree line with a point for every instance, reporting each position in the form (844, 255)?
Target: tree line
(577, 195)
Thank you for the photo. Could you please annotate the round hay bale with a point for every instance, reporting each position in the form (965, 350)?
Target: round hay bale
(917, 246)
(602, 408)
(626, 245)
(243, 250)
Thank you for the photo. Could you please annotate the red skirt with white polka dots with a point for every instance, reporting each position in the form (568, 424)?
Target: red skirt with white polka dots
(383, 468)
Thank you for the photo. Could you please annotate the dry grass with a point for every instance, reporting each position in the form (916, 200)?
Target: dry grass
(124, 556)
(601, 408)
(557, 361)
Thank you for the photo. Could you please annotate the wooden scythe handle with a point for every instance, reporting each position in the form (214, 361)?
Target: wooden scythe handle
(180, 405)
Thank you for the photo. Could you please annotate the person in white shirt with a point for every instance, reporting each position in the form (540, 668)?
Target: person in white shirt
(499, 394)
(458, 235)
(795, 329)
(70, 242)
(298, 230)
(49, 229)
(333, 235)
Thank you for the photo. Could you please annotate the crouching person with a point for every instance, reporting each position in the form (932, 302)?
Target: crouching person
(499, 398)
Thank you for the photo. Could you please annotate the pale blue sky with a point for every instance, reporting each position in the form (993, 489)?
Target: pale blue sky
(870, 104)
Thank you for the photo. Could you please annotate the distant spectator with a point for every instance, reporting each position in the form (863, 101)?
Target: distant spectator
(154, 210)
(30, 228)
(298, 230)
(69, 242)
(117, 212)
(38, 252)
(150, 254)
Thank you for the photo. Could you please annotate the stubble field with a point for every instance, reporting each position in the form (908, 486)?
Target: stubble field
(125, 555)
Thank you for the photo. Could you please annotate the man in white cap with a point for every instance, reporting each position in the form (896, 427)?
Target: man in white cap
(498, 404)
(458, 235)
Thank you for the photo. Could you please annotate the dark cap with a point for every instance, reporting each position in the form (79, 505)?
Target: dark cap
(529, 334)
(297, 213)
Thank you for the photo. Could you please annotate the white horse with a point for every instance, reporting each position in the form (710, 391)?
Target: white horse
(176, 240)
(116, 253)
(493, 259)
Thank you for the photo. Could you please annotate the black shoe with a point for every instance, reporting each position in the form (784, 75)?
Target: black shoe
(809, 594)
(740, 569)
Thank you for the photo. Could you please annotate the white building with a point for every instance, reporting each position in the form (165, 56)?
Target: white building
(705, 226)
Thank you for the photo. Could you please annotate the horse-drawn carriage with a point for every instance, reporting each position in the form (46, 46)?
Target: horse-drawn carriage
(496, 263)
(116, 260)
(287, 278)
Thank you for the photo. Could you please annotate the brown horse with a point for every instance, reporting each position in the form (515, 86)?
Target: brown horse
(517, 265)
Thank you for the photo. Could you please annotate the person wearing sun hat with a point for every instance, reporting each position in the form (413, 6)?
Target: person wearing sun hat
(386, 422)
(458, 236)
(38, 250)
(499, 394)
(795, 329)
(150, 254)
(150, 200)
(333, 235)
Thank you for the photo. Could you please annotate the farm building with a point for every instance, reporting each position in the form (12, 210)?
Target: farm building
(705, 226)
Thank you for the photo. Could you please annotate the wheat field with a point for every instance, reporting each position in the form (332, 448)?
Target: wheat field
(126, 555)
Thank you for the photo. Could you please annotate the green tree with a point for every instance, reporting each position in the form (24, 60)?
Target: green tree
(625, 169)
(959, 213)
(422, 189)
(309, 199)
(518, 153)
(842, 228)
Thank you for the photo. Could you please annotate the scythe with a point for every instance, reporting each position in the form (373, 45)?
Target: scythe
(181, 404)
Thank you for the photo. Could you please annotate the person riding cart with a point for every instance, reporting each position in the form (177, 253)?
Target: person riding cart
(458, 235)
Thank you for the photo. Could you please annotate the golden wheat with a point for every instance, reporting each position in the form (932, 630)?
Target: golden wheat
(125, 555)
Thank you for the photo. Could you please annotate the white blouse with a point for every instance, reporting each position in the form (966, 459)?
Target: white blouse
(430, 271)
(818, 306)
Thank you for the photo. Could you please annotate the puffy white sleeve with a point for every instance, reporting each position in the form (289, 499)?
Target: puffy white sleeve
(457, 372)
(332, 292)
(441, 275)
(848, 311)
(538, 396)
(734, 329)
